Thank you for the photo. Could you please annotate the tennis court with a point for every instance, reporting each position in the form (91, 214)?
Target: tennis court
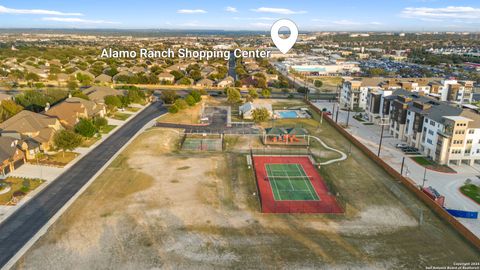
(289, 182)
(199, 142)
(292, 184)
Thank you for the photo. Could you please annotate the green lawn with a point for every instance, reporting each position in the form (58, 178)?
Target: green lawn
(106, 129)
(19, 187)
(87, 142)
(472, 191)
(423, 161)
(121, 116)
(133, 109)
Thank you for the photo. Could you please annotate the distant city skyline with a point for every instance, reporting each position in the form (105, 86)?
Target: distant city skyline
(348, 15)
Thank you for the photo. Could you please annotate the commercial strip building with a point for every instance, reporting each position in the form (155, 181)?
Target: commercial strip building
(446, 132)
(357, 94)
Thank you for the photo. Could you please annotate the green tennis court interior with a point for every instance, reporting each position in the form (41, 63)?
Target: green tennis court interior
(289, 182)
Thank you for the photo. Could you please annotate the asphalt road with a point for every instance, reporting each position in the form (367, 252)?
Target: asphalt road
(24, 223)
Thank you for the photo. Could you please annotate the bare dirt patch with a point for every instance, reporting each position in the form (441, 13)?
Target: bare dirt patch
(156, 207)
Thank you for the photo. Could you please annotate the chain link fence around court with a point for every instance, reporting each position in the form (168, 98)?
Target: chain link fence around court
(202, 142)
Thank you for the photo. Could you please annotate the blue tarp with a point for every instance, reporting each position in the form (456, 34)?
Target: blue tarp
(462, 214)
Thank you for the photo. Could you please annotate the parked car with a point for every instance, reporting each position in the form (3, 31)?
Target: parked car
(401, 145)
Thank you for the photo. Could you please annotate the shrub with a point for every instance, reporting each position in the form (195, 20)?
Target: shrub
(181, 104)
(100, 122)
(196, 95)
(173, 109)
(190, 100)
(86, 128)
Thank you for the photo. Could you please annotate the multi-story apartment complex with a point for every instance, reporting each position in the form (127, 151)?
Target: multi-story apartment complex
(447, 133)
(357, 93)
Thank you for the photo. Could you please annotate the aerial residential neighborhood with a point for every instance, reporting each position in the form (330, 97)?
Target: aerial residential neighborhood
(241, 135)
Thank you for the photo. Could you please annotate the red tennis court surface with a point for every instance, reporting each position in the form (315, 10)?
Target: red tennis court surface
(326, 204)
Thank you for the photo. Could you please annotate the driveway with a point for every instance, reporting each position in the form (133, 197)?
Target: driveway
(24, 223)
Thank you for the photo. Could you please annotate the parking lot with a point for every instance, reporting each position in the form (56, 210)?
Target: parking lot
(447, 184)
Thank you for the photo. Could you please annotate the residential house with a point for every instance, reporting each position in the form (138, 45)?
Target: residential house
(246, 110)
(68, 113)
(228, 81)
(93, 109)
(11, 156)
(39, 127)
(103, 78)
(166, 77)
(204, 83)
(98, 93)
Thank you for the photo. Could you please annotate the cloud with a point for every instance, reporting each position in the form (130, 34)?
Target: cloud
(77, 20)
(283, 11)
(5, 10)
(451, 12)
(255, 18)
(191, 11)
(231, 9)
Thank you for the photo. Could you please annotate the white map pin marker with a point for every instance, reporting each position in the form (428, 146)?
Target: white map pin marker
(284, 44)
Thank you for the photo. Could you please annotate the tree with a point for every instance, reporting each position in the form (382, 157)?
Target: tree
(67, 140)
(84, 79)
(318, 83)
(233, 95)
(169, 96)
(190, 100)
(177, 74)
(100, 122)
(181, 104)
(80, 94)
(195, 74)
(266, 93)
(184, 81)
(113, 101)
(86, 128)
(8, 109)
(260, 115)
(173, 109)
(72, 83)
(253, 93)
(196, 95)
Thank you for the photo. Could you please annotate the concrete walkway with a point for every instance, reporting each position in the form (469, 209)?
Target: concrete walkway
(343, 155)
(446, 184)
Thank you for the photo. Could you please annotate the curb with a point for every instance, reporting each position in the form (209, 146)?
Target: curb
(59, 213)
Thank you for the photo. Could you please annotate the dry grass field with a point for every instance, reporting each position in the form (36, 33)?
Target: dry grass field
(156, 207)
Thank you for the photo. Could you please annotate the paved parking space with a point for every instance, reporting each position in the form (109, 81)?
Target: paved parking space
(446, 184)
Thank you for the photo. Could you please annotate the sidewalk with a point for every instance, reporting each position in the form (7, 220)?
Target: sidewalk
(445, 183)
(50, 173)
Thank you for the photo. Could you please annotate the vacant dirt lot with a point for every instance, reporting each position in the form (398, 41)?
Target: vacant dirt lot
(155, 207)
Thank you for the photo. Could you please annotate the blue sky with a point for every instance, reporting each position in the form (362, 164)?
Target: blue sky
(319, 15)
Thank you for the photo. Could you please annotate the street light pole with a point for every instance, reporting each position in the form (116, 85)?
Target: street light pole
(403, 163)
(348, 116)
(380, 144)
(424, 177)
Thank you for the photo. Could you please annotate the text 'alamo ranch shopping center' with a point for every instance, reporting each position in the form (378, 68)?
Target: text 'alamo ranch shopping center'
(184, 53)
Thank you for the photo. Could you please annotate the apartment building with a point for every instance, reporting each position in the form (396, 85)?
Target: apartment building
(359, 93)
(447, 133)
(355, 92)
